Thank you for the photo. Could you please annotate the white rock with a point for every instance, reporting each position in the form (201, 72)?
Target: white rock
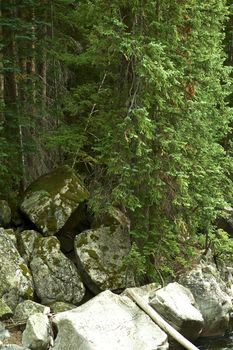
(37, 335)
(108, 321)
(175, 304)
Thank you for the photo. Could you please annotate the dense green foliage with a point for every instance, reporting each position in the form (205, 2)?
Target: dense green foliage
(144, 92)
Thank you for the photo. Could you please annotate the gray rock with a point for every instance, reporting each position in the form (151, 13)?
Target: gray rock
(27, 308)
(16, 280)
(50, 200)
(108, 321)
(99, 256)
(27, 241)
(5, 214)
(55, 276)
(5, 310)
(209, 292)
(176, 305)
(37, 335)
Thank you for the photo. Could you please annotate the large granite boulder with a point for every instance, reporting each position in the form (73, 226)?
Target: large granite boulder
(176, 305)
(55, 276)
(108, 321)
(210, 295)
(51, 199)
(16, 280)
(99, 254)
(5, 214)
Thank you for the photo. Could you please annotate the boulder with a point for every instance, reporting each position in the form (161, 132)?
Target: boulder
(213, 302)
(99, 254)
(176, 305)
(55, 276)
(5, 310)
(51, 199)
(37, 335)
(108, 321)
(27, 308)
(5, 214)
(27, 241)
(16, 280)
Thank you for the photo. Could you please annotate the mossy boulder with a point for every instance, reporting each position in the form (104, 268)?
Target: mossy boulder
(16, 280)
(5, 214)
(56, 277)
(51, 199)
(99, 255)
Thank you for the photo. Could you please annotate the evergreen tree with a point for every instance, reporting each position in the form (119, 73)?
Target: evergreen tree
(147, 112)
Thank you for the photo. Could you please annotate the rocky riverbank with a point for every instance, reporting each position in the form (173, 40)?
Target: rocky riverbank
(63, 284)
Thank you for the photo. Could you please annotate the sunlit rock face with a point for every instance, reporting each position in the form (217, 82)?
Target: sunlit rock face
(108, 321)
(51, 199)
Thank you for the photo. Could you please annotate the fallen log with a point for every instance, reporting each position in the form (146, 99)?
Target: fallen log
(167, 328)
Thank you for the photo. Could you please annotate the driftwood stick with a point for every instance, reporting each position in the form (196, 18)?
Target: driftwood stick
(161, 322)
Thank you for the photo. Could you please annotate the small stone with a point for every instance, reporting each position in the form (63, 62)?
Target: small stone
(37, 333)
(60, 306)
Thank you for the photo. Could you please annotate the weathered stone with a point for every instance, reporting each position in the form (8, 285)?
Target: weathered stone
(50, 200)
(5, 310)
(16, 280)
(5, 214)
(108, 321)
(27, 308)
(37, 335)
(176, 305)
(27, 241)
(214, 304)
(59, 306)
(99, 256)
(56, 277)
